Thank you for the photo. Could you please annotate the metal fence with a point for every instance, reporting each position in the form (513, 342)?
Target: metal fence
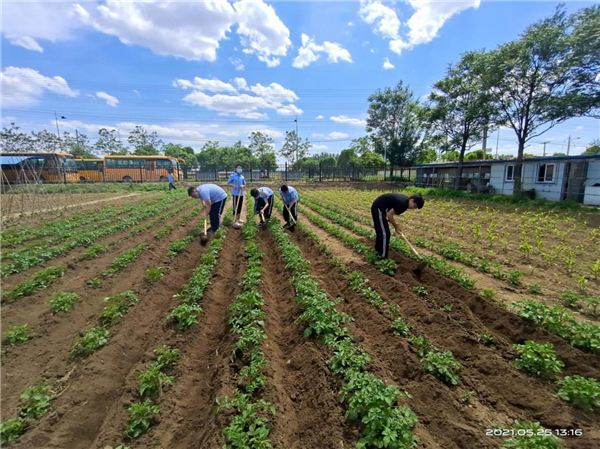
(310, 173)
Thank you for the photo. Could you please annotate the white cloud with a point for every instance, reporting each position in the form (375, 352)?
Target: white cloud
(387, 65)
(26, 23)
(350, 24)
(24, 87)
(423, 26)
(110, 100)
(309, 52)
(136, 92)
(242, 100)
(237, 63)
(261, 31)
(320, 117)
(348, 120)
(579, 128)
(319, 147)
(372, 51)
(331, 136)
(210, 85)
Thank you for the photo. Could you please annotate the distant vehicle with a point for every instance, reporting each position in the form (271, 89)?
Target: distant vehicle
(90, 169)
(38, 167)
(141, 168)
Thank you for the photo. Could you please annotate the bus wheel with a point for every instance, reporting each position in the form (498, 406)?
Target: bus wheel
(82, 179)
(163, 178)
(41, 179)
(127, 179)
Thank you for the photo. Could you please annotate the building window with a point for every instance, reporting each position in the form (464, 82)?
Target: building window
(545, 173)
(509, 174)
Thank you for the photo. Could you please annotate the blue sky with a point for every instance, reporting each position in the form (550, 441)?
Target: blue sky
(215, 70)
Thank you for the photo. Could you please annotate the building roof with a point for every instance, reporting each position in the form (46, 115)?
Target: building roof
(512, 161)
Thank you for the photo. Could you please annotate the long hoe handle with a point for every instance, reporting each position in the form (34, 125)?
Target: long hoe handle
(290, 212)
(410, 245)
(204, 225)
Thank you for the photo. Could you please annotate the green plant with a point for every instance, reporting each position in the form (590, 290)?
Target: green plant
(534, 289)
(39, 281)
(124, 259)
(581, 391)
(538, 359)
(421, 344)
(582, 283)
(93, 251)
(154, 274)
(447, 308)
(595, 269)
(420, 290)
(486, 339)
(62, 302)
(571, 298)
(466, 396)
(387, 266)
(488, 294)
(12, 429)
(442, 365)
(151, 381)
(531, 436)
(36, 401)
(514, 276)
(166, 356)
(90, 341)
(185, 315)
(118, 305)
(142, 417)
(16, 334)
(401, 327)
(94, 283)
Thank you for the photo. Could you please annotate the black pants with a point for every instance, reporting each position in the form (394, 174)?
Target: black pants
(382, 229)
(286, 215)
(216, 209)
(171, 186)
(260, 203)
(238, 201)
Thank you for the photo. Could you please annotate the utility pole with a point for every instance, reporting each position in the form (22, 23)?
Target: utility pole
(545, 147)
(77, 136)
(485, 137)
(569, 144)
(296, 141)
(56, 119)
(497, 142)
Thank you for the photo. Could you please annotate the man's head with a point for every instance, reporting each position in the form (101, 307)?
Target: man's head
(193, 192)
(254, 193)
(284, 189)
(416, 201)
(238, 169)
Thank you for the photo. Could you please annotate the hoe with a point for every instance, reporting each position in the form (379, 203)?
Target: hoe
(422, 264)
(204, 237)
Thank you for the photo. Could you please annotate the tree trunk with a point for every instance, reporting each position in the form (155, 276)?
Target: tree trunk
(459, 169)
(518, 187)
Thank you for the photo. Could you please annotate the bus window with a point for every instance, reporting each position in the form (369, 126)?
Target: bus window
(149, 164)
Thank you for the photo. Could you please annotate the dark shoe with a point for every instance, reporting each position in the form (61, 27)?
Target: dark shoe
(285, 226)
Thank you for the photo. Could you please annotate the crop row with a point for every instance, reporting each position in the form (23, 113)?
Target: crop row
(250, 425)
(35, 256)
(367, 399)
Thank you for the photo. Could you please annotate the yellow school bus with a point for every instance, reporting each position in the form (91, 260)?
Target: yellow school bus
(90, 169)
(141, 168)
(38, 167)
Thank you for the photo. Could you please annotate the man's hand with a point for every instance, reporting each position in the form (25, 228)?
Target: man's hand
(398, 229)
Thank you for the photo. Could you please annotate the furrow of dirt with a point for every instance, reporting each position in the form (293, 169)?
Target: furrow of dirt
(502, 392)
(97, 382)
(46, 356)
(309, 413)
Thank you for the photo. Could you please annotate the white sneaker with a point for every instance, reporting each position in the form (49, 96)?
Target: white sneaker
(241, 221)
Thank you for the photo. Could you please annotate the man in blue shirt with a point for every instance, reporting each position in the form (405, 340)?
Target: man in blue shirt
(171, 178)
(264, 202)
(290, 198)
(237, 183)
(213, 198)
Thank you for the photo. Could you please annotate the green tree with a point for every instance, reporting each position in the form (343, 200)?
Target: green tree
(294, 148)
(77, 145)
(559, 154)
(268, 161)
(593, 148)
(477, 155)
(210, 156)
(427, 156)
(397, 125)
(144, 143)
(361, 145)
(346, 158)
(109, 144)
(260, 144)
(328, 162)
(370, 159)
(14, 141)
(460, 106)
(545, 77)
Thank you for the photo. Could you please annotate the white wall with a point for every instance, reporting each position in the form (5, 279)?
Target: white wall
(592, 194)
(550, 191)
(497, 180)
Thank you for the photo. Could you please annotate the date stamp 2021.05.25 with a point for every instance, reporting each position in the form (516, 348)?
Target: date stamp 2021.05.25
(533, 432)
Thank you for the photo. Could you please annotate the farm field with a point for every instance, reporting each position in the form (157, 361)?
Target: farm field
(120, 330)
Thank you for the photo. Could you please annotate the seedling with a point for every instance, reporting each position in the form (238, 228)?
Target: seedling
(63, 302)
(36, 401)
(534, 289)
(142, 417)
(466, 396)
(420, 290)
(401, 327)
(166, 356)
(488, 294)
(94, 283)
(92, 340)
(421, 344)
(11, 430)
(486, 339)
(514, 277)
(154, 274)
(447, 308)
(17, 334)
(93, 251)
(185, 315)
(538, 359)
(531, 436)
(152, 380)
(442, 365)
(581, 391)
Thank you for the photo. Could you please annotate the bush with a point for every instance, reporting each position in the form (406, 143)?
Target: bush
(538, 359)
(581, 391)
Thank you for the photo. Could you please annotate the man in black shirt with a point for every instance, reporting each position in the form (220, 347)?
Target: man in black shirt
(383, 210)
